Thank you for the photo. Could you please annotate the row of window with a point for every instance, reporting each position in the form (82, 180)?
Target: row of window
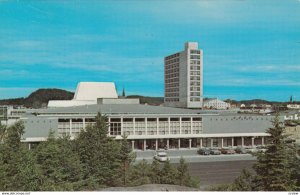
(195, 93)
(172, 90)
(194, 99)
(195, 57)
(171, 75)
(171, 85)
(172, 66)
(172, 94)
(195, 51)
(195, 73)
(194, 83)
(172, 99)
(196, 78)
(172, 56)
(173, 61)
(194, 88)
(195, 62)
(195, 67)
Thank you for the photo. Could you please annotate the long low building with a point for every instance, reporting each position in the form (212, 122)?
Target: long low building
(151, 127)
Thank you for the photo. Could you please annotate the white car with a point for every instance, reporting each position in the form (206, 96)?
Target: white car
(161, 156)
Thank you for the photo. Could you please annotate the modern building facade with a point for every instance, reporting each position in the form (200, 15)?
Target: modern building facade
(183, 73)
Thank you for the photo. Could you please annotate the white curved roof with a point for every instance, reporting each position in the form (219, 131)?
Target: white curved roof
(94, 90)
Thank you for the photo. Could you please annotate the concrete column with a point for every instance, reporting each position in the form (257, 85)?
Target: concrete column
(83, 123)
(156, 144)
(132, 144)
(191, 125)
(232, 141)
(262, 141)
(211, 142)
(242, 141)
(190, 143)
(133, 120)
(200, 142)
(146, 128)
(168, 143)
(169, 125)
(222, 142)
(145, 144)
(252, 139)
(157, 126)
(70, 127)
(122, 131)
(180, 125)
(178, 143)
(29, 146)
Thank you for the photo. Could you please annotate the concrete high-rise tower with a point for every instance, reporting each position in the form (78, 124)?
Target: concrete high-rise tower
(184, 78)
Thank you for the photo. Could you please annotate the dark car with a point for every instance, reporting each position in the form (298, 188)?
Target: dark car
(204, 151)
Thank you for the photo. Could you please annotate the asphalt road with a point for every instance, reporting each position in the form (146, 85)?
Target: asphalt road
(211, 173)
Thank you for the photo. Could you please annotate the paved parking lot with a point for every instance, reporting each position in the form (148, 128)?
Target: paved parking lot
(191, 156)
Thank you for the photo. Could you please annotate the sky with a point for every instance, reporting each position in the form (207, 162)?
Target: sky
(251, 47)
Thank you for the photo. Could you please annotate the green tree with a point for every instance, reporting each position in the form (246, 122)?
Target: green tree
(272, 167)
(99, 154)
(139, 173)
(168, 174)
(126, 158)
(59, 165)
(243, 182)
(155, 172)
(183, 176)
(17, 164)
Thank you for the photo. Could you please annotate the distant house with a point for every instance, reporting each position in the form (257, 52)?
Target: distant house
(293, 106)
(215, 103)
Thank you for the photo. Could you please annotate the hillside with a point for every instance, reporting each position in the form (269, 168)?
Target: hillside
(148, 100)
(39, 98)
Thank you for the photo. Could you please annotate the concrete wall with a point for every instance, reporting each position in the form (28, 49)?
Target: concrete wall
(236, 124)
(39, 127)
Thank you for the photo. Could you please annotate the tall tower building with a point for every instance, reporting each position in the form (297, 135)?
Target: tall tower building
(184, 78)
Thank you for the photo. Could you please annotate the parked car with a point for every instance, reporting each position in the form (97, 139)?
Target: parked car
(161, 156)
(204, 151)
(227, 151)
(240, 150)
(215, 152)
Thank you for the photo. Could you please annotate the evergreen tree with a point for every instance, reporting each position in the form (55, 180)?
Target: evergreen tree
(183, 176)
(155, 173)
(168, 174)
(99, 154)
(272, 167)
(139, 173)
(59, 165)
(242, 182)
(17, 164)
(126, 157)
(2, 133)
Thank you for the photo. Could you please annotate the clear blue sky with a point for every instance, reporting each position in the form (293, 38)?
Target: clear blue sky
(251, 47)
